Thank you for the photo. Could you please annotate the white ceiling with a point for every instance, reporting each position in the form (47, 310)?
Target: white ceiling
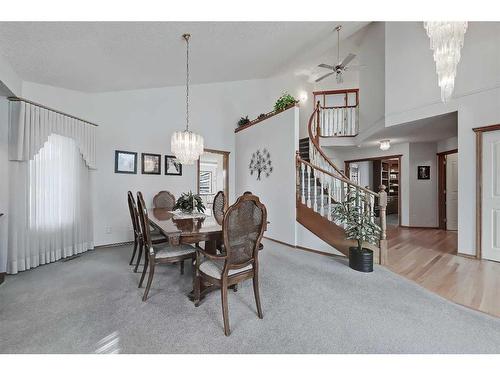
(430, 129)
(108, 56)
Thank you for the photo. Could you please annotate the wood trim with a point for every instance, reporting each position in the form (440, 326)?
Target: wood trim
(225, 167)
(114, 244)
(267, 116)
(479, 184)
(454, 151)
(479, 194)
(333, 92)
(375, 158)
(18, 99)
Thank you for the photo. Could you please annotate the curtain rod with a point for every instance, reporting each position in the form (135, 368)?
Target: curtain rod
(18, 99)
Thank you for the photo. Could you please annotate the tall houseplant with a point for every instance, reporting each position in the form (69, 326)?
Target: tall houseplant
(356, 213)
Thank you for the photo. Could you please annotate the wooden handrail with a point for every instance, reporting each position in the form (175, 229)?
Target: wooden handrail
(345, 180)
(340, 106)
(265, 117)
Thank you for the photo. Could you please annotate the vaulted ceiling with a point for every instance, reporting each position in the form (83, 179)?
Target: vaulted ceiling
(108, 56)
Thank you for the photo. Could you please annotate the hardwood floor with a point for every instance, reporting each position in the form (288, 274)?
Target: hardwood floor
(428, 257)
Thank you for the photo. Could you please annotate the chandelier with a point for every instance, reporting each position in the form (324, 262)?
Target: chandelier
(186, 145)
(447, 38)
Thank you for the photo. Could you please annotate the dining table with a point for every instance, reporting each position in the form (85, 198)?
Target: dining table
(180, 229)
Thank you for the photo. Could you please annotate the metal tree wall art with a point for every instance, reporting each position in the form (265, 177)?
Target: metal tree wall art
(261, 163)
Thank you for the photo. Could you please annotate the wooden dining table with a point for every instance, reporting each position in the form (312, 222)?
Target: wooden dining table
(188, 231)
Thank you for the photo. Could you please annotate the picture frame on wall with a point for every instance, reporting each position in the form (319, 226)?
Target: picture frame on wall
(151, 163)
(125, 162)
(424, 172)
(206, 183)
(172, 166)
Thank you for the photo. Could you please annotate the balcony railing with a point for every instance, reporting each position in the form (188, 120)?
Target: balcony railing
(340, 121)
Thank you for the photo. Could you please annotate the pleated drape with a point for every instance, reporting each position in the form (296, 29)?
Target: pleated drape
(50, 206)
(31, 125)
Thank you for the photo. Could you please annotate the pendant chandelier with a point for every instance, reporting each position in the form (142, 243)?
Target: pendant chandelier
(447, 38)
(186, 145)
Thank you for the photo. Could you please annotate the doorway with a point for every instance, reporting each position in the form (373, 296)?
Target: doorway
(213, 176)
(448, 190)
(373, 172)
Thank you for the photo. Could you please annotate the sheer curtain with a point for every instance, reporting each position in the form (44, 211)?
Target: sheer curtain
(50, 204)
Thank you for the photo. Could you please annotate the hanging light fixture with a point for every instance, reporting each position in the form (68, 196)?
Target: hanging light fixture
(385, 144)
(447, 38)
(186, 145)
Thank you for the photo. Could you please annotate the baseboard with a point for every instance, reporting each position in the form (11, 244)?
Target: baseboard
(2, 277)
(304, 248)
(468, 256)
(413, 227)
(114, 244)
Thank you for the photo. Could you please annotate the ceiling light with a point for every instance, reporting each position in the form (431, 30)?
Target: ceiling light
(447, 38)
(385, 144)
(186, 145)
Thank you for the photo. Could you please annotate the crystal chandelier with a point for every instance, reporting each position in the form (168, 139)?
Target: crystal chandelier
(186, 145)
(447, 38)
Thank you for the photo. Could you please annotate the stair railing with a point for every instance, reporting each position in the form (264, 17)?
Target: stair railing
(339, 121)
(320, 184)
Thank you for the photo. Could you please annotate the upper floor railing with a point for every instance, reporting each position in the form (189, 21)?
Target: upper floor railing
(338, 113)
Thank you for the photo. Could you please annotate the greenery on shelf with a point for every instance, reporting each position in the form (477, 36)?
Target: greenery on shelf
(284, 101)
(188, 202)
(359, 223)
(261, 116)
(243, 121)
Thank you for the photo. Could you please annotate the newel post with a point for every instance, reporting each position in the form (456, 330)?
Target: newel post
(382, 202)
(318, 127)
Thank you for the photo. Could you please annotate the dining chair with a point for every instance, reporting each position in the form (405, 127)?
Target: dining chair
(242, 229)
(164, 199)
(159, 253)
(156, 236)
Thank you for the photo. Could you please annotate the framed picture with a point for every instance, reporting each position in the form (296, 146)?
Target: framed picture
(206, 183)
(151, 163)
(172, 166)
(125, 162)
(424, 172)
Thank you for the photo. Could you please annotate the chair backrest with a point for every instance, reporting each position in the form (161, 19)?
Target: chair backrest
(164, 199)
(134, 216)
(243, 227)
(144, 220)
(218, 206)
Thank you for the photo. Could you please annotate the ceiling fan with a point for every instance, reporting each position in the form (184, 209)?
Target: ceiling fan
(341, 66)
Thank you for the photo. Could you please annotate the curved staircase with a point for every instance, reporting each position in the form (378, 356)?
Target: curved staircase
(320, 184)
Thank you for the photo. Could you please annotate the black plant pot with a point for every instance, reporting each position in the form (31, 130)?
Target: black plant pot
(361, 261)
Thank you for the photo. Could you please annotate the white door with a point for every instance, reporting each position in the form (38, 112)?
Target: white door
(452, 191)
(490, 243)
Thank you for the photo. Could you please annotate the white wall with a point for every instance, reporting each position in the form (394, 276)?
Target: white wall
(447, 144)
(279, 135)
(423, 193)
(4, 181)
(365, 174)
(477, 96)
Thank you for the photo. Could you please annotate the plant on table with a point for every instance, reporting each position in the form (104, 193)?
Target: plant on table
(189, 202)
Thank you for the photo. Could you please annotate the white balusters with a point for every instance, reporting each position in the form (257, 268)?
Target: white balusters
(303, 185)
(315, 204)
(322, 184)
(308, 186)
(338, 121)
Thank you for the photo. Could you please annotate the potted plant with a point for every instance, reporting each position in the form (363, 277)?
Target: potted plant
(243, 121)
(189, 202)
(356, 214)
(284, 101)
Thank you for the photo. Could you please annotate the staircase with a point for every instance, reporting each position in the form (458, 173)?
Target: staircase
(320, 184)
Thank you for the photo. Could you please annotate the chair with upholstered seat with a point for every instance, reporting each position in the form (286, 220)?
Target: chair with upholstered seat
(159, 253)
(242, 228)
(156, 237)
(164, 199)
